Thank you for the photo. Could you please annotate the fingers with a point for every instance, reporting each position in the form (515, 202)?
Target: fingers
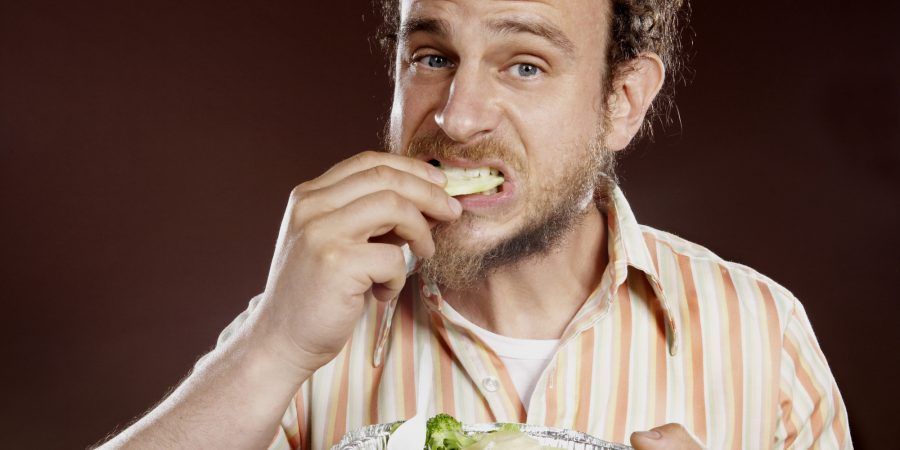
(374, 215)
(367, 160)
(670, 436)
(385, 269)
(427, 196)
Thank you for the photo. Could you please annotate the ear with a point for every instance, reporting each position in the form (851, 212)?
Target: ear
(633, 90)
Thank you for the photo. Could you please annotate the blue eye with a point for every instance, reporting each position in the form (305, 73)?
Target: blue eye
(526, 70)
(435, 61)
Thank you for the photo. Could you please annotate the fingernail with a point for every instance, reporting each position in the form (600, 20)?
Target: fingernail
(455, 205)
(437, 175)
(652, 434)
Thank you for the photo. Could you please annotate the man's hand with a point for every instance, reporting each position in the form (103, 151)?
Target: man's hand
(670, 436)
(339, 243)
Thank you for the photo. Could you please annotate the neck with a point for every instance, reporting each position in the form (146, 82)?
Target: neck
(537, 298)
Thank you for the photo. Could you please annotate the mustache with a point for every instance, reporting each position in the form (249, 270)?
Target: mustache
(438, 146)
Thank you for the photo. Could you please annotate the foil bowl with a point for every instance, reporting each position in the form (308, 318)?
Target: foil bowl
(375, 437)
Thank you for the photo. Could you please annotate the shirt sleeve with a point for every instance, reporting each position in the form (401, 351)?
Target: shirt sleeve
(812, 411)
(291, 433)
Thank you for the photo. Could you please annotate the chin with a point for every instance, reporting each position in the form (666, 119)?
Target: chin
(474, 233)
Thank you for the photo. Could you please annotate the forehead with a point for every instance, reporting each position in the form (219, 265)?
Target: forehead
(583, 21)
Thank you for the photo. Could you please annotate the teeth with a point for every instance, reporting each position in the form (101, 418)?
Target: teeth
(490, 191)
(475, 172)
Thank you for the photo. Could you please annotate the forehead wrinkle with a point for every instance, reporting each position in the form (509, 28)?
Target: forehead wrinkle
(540, 29)
(441, 28)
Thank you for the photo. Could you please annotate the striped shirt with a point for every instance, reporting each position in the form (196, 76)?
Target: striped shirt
(673, 333)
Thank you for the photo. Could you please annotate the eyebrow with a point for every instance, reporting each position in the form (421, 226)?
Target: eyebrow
(441, 28)
(540, 29)
(423, 25)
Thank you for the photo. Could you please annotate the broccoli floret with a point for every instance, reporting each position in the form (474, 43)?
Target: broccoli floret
(444, 432)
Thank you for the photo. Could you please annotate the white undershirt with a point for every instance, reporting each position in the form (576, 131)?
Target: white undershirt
(525, 359)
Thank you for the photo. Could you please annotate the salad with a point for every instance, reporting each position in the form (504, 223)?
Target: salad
(444, 432)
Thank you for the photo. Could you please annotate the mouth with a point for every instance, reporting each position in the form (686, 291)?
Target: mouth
(466, 178)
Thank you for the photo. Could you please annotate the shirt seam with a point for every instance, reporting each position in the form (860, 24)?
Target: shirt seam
(666, 239)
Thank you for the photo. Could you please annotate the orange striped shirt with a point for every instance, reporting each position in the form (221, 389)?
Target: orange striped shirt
(673, 333)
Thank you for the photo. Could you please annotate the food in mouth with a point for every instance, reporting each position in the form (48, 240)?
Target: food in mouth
(461, 181)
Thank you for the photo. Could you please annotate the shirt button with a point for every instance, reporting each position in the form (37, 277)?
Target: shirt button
(491, 384)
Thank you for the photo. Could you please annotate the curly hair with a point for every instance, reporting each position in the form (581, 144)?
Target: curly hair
(636, 26)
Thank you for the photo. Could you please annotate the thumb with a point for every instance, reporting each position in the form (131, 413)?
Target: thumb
(670, 436)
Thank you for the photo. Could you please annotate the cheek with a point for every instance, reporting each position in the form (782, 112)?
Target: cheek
(556, 167)
(413, 110)
(551, 130)
(558, 138)
(399, 112)
(395, 128)
(570, 103)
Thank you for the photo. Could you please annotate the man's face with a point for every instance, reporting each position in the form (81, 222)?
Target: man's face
(510, 85)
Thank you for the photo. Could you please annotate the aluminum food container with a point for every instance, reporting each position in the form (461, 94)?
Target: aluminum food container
(375, 437)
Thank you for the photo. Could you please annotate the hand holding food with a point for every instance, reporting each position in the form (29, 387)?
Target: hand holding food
(339, 243)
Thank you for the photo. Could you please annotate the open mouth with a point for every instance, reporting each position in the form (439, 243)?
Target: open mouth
(483, 180)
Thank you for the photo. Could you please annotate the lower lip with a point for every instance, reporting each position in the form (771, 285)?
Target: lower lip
(474, 202)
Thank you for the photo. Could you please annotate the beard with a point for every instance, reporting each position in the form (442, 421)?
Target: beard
(554, 207)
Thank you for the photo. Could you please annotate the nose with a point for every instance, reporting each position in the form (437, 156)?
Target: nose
(471, 109)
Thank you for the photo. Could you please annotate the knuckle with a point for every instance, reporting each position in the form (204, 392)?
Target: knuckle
(391, 199)
(301, 205)
(299, 197)
(366, 158)
(382, 173)
(435, 192)
(673, 427)
(298, 192)
(414, 211)
(330, 256)
(312, 232)
(392, 259)
(406, 208)
(302, 193)
(394, 256)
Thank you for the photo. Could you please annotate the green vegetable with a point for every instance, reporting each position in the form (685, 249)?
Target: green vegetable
(444, 432)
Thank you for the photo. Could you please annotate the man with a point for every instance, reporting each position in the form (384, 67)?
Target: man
(541, 301)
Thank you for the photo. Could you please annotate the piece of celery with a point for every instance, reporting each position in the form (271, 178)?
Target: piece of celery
(462, 186)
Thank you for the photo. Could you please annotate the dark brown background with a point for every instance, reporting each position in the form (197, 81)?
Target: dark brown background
(147, 149)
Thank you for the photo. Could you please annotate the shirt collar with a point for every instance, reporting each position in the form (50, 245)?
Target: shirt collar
(627, 248)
